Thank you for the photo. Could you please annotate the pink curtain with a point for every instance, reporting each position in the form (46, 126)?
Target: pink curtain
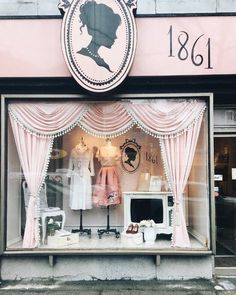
(33, 153)
(165, 117)
(34, 126)
(177, 124)
(178, 153)
(107, 119)
(49, 119)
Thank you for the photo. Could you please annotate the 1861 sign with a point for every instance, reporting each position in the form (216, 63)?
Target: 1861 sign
(98, 41)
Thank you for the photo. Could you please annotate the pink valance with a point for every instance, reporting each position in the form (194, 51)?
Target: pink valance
(47, 119)
(161, 118)
(106, 119)
(157, 117)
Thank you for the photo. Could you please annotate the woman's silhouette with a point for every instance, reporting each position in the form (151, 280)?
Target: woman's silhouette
(131, 155)
(102, 24)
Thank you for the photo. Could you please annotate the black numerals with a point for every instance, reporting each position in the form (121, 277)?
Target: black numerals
(187, 48)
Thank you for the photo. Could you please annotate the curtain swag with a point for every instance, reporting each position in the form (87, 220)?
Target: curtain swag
(175, 122)
(158, 118)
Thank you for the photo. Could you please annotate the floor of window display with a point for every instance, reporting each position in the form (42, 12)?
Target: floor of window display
(110, 242)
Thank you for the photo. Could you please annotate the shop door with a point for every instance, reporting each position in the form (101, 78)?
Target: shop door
(225, 202)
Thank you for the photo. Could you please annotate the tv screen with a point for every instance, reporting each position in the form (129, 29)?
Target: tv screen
(144, 209)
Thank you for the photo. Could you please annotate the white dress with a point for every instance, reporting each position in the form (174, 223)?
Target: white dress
(81, 169)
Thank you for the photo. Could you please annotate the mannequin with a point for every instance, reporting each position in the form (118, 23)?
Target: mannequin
(107, 191)
(81, 169)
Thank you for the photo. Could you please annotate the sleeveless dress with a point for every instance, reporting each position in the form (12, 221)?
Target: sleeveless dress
(81, 169)
(107, 189)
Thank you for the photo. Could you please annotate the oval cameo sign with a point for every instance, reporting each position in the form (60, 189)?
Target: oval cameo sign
(98, 41)
(130, 155)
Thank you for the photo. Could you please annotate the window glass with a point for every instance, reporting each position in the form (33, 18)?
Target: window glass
(110, 192)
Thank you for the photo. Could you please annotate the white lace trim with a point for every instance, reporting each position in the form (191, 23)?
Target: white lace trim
(105, 134)
(156, 134)
(53, 134)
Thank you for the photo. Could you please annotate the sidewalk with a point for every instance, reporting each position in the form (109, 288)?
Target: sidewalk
(221, 286)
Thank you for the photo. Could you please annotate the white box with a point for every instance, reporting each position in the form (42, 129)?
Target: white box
(63, 241)
(131, 239)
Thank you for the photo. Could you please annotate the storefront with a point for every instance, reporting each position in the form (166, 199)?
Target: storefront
(122, 173)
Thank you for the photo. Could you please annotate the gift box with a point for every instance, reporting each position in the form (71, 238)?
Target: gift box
(131, 239)
(62, 241)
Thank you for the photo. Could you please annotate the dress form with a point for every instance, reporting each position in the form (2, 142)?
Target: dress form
(108, 156)
(81, 169)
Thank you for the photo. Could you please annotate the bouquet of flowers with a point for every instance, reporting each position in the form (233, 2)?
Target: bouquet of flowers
(147, 223)
(52, 226)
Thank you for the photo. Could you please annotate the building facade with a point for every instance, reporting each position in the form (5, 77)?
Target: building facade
(89, 166)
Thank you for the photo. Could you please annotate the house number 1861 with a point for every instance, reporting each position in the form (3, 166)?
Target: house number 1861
(184, 50)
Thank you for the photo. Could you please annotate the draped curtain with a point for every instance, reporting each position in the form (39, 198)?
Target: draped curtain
(175, 122)
(178, 153)
(33, 154)
(34, 127)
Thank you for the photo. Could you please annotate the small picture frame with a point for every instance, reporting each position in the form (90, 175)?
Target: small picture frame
(155, 183)
(130, 155)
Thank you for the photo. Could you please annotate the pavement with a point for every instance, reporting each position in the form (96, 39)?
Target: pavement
(219, 286)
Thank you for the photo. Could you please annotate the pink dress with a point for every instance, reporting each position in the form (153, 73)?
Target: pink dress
(107, 189)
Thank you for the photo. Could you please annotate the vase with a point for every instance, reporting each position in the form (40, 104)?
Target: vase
(149, 235)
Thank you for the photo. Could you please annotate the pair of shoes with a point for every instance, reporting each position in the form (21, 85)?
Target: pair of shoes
(135, 229)
(129, 229)
(132, 229)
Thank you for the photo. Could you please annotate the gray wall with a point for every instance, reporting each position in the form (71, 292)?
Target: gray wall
(76, 268)
(45, 7)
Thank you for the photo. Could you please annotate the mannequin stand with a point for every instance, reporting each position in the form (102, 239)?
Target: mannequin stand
(82, 230)
(108, 230)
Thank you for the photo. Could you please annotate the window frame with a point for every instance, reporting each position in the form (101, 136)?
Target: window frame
(7, 98)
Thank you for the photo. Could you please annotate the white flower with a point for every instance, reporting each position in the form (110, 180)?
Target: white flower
(50, 221)
(147, 223)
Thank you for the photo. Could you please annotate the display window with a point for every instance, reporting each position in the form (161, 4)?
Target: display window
(128, 175)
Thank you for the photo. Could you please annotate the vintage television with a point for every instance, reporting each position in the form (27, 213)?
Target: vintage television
(149, 205)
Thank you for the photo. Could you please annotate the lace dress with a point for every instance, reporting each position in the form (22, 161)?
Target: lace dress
(81, 169)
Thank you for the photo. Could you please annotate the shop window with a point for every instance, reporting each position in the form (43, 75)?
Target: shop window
(127, 175)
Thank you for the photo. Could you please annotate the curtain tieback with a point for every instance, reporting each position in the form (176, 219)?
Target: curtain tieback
(36, 204)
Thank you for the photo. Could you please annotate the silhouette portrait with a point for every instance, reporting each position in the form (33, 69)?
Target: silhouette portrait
(102, 24)
(131, 155)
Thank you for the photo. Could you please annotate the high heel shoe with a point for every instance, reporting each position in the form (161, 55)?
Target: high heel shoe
(135, 229)
(130, 229)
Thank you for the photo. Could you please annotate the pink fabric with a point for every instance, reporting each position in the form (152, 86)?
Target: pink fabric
(47, 118)
(107, 190)
(107, 119)
(33, 158)
(166, 117)
(178, 153)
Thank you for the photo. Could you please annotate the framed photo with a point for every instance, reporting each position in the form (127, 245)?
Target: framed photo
(155, 183)
(130, 155)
